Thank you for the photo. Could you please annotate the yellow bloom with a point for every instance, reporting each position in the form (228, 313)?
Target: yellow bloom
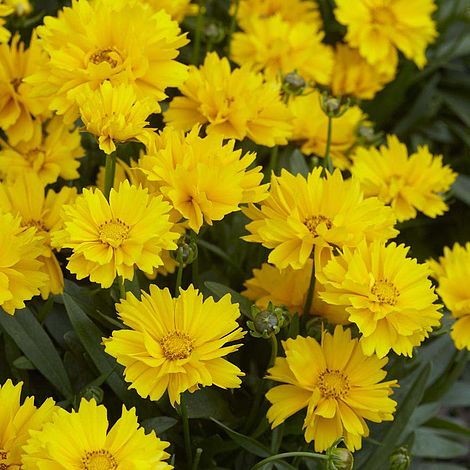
(341, 390)
(278, 47)
(17, 106)
(380, 28)
(353, 75)
(81, 440)
(18, 422)
(118, 40)
(5, 10)
(311, 128)
(407, 182)
(52, 152)
(20, 270)
(203, 178)
(235, 104)
(453, 275)
(387, 295)
(25, 197)
(177, 9)
(176, 344)
(300, 214)
(113, 113)
(110, 239)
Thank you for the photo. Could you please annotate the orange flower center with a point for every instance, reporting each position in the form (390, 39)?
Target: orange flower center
(110, 55)
(99, 460)
(385, 291)
(176, 345)
(3, 459)
(114, 232)
(383, 16)
(314, 221)
(333, 384)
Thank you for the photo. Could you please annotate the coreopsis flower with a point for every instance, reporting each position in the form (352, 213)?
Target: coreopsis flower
(341, 390)
(278, 47)
(353, 75)
(203, 178)
(5, 10)
(176, 344)
(18, 421)
(380, 29)
(17, 107)
(25, 197)
(85, 48)
(387, 295)
(81, 439)
(113, 113)
(234, 104)
(409, 183)
(110, 239)
(311, 128)
(177, 9)
(52, 152)
(303, 213)
(20, 268)
(453, 273)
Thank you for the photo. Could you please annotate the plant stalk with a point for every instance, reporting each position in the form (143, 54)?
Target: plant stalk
(327, 162)
(311, 289)
(286, 455)
(110, 171)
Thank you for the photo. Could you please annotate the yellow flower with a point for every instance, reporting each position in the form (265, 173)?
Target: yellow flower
(18, 422)
(453, 275)
(300, 214)
(26, 198)
(5, 10)
(20, 270)
(341, 389)
(311, 128)
(203, 178)
(407, 182)
(353, 75)
(380, 28)
(176, 344)
(122, 41)
(17, 105)
(177, 9)
(110, 239)
(51, 153)
(387, 295)
(235, 104)
(113, 113)
(278, 47)
(81, 440)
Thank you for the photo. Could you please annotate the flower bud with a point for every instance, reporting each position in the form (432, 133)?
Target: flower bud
(366, 135)
(400, 459)
(214, 32)
(334, 107)
(92, 392)
(267, 322)
(293, 84)
(340, 458)
(186, 252)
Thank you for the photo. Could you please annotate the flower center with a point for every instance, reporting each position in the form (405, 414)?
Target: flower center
(333, 384)
(385, 291)
(114, 232)
(314, 221)
(110, 55)
(176, 345)
(383, 16)
(38, 224)
(99, 460)
(3, 458)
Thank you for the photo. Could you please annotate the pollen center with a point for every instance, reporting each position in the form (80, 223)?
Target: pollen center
(114, 232)
(3, 459)
(333, 384)
(176, 345)
(314, 221)
(110, 55)
(383, 16)
(38, 224)
(385, 291)
(99, 460)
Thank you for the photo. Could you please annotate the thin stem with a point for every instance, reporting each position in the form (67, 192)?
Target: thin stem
(186, 433)
(276, 438)
(286, 455)
(327, 163)
(311, 288)
(122, 288)
(198, 34)
(179, 278)
(233, 24)
(273, 161)
(273, 350)
(110, 171)
(197, 458)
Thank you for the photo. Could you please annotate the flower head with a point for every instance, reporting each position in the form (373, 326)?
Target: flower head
(177, 9)
(409, 183)
(81, 439)
(303, 213)
(387, 295)
(17, 422)
(341, 390)
(379, 29)
(109, 239)
(234, 104)
(5, 10)
(176, 344)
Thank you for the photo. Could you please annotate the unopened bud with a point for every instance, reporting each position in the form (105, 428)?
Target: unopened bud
(293, 84)
(186, 252)
(340, 458)
(366, 135)
(400, 459)
(267, 322)
(214, 32)
(334, 107)
(92, 392)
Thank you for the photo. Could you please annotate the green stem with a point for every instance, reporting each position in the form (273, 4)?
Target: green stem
(122, 288)
(198, 34)
(233, 24)
(179, 278)
(273, 161)
(286, 455)
(311, 289)
(186, 433)
(110, 171)
(197, 458)
(276, 438)
(327, 163)
(273, 350)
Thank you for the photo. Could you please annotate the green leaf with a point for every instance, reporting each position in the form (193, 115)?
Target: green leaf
(458, 395)
(219, 290)
(30, 337)
(159, 424)
(297, 163)
(461, 188)
(429, 444)
(23, 363)
(447, 425)
(207, 403)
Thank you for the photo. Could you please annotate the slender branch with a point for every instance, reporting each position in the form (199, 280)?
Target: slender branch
(327, 162)
(273, 350)
(110, 171)
(311, 289)
(286, 455)
(186, 432)
(179, 278)
(197, 458)
(273, 160)
(122, 288)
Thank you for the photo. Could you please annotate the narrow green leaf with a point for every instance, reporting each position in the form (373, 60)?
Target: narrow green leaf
(429, 444)
(449, 426)
(207, 403)
(159, 424)
(219, 290)
(461, 188)
(30, 337)
(297, 163)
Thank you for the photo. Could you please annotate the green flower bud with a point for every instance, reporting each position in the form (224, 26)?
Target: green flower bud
(340, 459)
(214, 32)
(92, 392)
(334, 107)
(367, 136)
(267, 322)
(186, 252)
(400, 459)
(293, 84)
